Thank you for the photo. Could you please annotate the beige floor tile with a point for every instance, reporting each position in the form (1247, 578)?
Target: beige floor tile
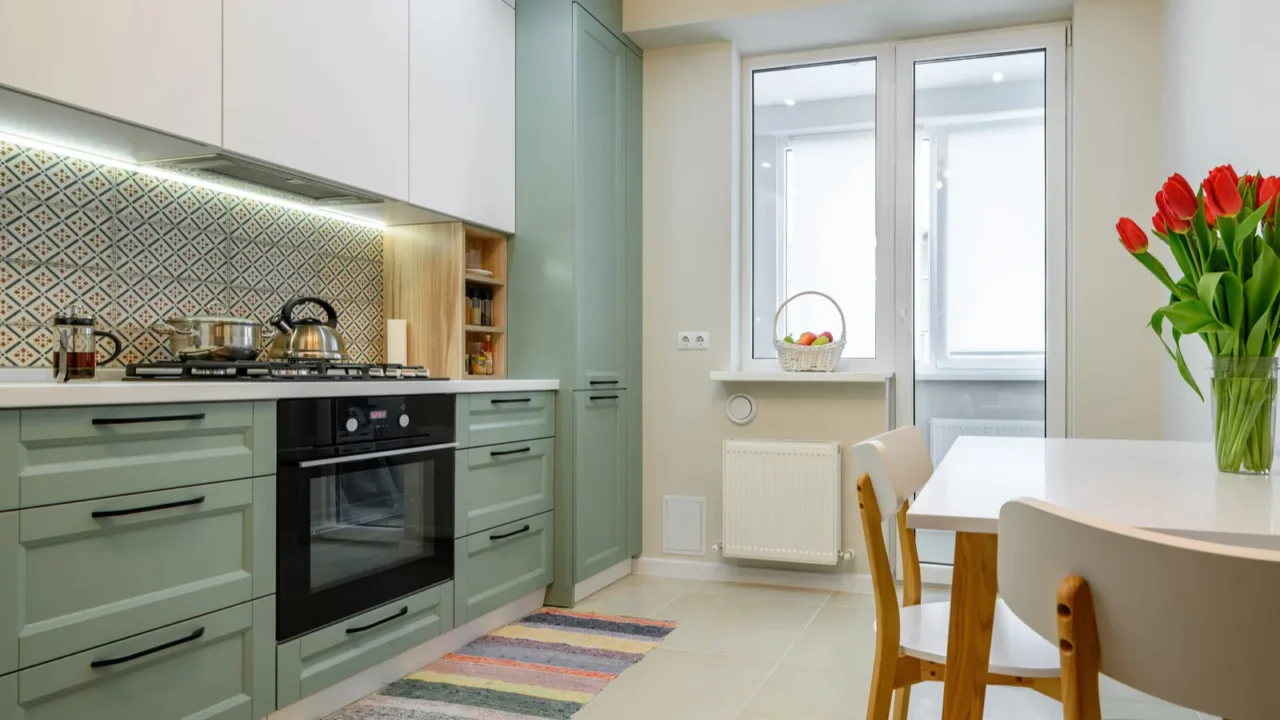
(636, 599)
(848, 599)
(739, 626)
(795, 691)
(1003, 703)
(839, 637)
(672, 685)
(803, 596)
(1130, 710)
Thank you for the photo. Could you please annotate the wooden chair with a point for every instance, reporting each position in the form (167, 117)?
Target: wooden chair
(1193, 623)
(911, 641)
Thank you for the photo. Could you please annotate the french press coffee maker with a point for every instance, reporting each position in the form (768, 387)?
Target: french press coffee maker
(75, 353)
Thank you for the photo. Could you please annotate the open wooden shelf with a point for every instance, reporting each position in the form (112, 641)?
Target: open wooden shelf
(484, 280)
(484, 329)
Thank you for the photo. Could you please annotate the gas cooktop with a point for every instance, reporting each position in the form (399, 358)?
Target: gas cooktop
(273, 370)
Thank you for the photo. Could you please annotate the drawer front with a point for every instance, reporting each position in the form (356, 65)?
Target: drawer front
(213, 666)
(496, 418)
(500, 484)
(8, 595)
(145, 561)
(314, 662)
(498, 566)
(72, 454)
(9, 460)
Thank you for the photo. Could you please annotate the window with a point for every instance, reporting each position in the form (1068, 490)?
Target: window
(815, 215)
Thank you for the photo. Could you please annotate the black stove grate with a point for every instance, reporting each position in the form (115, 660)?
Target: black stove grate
(272, 370)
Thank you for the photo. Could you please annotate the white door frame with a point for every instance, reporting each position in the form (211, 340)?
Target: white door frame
(1052, 39)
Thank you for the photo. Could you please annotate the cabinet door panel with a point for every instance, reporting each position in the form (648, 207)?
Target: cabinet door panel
(501, 565)
(321, 86)
(462, 109)
(599, 162)
(503, 483)
(599, 481)
(152, 62)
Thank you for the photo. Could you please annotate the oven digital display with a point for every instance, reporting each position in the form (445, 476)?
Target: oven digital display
(377, 414)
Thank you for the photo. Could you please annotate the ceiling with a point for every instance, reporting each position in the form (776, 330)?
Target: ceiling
(853, 79)
(852, 22)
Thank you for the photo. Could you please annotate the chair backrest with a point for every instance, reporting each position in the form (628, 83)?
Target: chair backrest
(1190, 622)
(898, 463)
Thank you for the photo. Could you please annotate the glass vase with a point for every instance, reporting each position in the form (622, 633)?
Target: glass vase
(1244, 414)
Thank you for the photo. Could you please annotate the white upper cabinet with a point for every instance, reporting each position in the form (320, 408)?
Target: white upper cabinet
(462, 108)
(156, 63)
(320, 86)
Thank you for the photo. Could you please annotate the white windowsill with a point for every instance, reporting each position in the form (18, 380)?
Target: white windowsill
(770, 376)
(980, 375)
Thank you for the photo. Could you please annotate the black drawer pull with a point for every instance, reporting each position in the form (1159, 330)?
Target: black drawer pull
(513, 533)
(603, 397)
(603, 382)
(517, 451)
(158, 418)
(504, 401)
(403, 611)
(147, 508)
(199, 633)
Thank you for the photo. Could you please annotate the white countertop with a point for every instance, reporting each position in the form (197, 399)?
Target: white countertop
(26, 394)
(1172, 487)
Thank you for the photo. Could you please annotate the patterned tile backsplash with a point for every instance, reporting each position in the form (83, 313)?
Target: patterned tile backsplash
(136, 249)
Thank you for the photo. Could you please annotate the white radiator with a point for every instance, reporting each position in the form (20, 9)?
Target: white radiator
(944, 431)
(782, 501)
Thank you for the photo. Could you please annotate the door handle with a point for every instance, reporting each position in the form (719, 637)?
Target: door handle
(603, 397)
(199, 633)
(152, 419)
(513, 533)
(504, 401)
(497, 453)
(603, 382)
(403, 611)
(146, 508)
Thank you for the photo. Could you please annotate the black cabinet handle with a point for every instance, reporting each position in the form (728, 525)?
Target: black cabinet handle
(513, 533)
(158, 418)
(603, 397)
(199, 633)
(147, 508)
(603, 382)
(496, 453)
(504, 401)
(403, 611)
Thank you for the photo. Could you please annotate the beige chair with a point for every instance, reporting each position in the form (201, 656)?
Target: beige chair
(1193, 623)
(911, 641)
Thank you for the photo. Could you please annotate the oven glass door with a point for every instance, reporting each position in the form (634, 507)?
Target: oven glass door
(361, 529)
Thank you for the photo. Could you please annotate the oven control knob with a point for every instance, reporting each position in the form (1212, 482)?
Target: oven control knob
(404, 420)
(352, 424)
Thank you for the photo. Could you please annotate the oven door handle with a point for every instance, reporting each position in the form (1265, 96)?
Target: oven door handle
(375, 455)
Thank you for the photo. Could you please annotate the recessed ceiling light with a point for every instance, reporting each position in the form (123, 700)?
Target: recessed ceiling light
(765, 165)
(997, 77)
(788, 101)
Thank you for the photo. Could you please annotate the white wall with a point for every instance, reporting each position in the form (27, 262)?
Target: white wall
(1222, 60)
(1116, 65)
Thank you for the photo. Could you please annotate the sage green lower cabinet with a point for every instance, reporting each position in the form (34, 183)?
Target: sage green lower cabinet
(9, 568)
(313, 662)
(94, 572)
(502, 483)
(500, 565)
(213, 667)
(493, 418)
(9, 459)
(599, 481)
(72, 454)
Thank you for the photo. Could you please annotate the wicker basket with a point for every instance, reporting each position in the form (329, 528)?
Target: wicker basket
(807, 358)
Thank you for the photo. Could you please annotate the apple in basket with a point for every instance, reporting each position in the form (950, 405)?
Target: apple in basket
(806, 338)
(827, 334)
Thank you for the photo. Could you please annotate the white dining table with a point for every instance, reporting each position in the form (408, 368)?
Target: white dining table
(1171, 487)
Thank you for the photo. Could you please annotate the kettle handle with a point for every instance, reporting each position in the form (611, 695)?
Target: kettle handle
(114, 341)
(285, 320)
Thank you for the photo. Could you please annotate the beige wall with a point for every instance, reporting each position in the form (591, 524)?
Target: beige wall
(691, 142)
(1114, 388)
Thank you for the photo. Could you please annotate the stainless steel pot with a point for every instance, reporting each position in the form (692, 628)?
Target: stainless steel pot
(213, 337)
(306, 338)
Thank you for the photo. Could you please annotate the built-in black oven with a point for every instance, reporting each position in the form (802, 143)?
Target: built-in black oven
(364, 511)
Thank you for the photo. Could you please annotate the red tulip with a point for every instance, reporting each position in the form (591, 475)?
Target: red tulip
(1171, 220)
(1131, 236)
(1222, 191)
(1179, 196)
(1157, 222)
(1210, 218)
(1267, 190)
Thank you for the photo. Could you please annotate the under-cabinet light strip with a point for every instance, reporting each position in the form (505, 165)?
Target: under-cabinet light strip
(169, 175)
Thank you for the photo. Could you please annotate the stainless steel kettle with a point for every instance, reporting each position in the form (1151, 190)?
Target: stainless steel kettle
(307, 338)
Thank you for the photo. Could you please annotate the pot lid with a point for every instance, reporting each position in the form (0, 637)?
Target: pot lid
(223, 319)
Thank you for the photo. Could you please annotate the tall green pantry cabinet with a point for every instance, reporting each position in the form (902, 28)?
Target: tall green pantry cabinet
(574, 286)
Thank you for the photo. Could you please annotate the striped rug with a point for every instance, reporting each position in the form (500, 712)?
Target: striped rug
(546, 665)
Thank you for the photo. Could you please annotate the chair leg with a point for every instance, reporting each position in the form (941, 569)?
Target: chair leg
(901, 701)
(1079, 651)
(882, 681)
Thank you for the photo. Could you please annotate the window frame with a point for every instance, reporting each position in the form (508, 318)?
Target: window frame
(884, 56)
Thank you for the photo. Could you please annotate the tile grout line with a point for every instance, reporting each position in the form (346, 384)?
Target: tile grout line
(784, 654)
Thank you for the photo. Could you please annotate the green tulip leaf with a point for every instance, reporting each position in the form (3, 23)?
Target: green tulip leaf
(1152, 263)
(1250, 224)
(1258, 337)
(1190, 317)
(1260, 291)
(1175, 352)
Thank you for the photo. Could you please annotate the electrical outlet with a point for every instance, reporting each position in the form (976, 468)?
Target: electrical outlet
(693, 340)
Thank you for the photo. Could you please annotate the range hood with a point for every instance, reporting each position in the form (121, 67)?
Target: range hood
(219, 166)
